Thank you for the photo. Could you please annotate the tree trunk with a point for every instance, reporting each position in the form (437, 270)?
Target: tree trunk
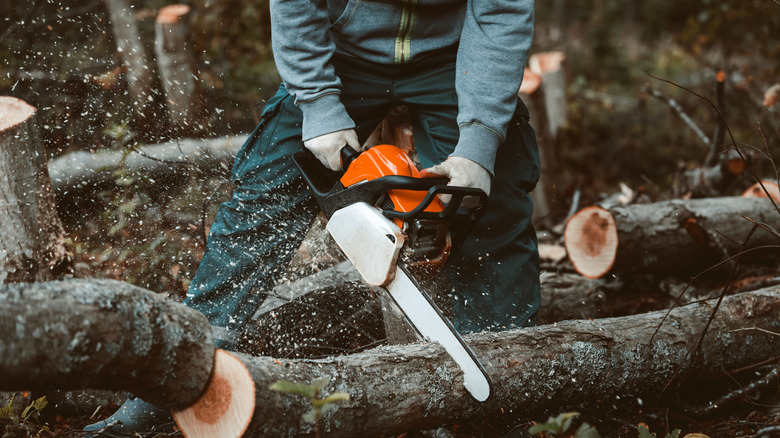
(31, 243)
(542, 196)
(176, 63)
(571, 365)
(678, 236)
(103, 334)
(131, 48)
(547, 104)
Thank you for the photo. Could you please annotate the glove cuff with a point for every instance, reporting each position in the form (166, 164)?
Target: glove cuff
(479, 144)
(324, 115)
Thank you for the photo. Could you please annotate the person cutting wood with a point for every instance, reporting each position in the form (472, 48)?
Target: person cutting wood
(457, 66)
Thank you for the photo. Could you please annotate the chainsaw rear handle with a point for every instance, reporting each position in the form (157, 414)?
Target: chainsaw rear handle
(331, 195)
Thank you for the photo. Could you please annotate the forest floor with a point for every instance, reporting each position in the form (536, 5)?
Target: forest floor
(138, 241)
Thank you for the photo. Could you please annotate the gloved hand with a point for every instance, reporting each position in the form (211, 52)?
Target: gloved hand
(326, 147)
(461, 172)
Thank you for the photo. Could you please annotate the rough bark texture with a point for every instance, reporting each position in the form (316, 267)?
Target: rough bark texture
(686, 236)
(714, 180)
(102, 334)
(573, 364)
(80, 173)
(176, 63)
(31, 242)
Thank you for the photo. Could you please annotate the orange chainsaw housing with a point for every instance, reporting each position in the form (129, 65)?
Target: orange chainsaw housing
(383, 160)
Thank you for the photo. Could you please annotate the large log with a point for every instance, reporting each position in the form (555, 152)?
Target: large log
(84, 172)
(678, 236)
(571, 365)
(31, 243)
(103, 334)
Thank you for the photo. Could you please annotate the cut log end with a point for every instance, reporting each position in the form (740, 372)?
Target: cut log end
(736, 166)
(13, 112)
(225, 407)
(546, 62)
(591, 241)
(172, 14)
(756, 191)
(531, 82)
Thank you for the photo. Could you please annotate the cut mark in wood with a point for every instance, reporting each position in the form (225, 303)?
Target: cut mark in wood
(14, 111)
(736, 166)
(591, 241)
(215, 401)
(225, 407)
(756, 191)
(593, 236)
(172, 13)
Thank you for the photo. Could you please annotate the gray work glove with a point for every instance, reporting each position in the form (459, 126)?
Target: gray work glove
(461, 172)
(327, 147)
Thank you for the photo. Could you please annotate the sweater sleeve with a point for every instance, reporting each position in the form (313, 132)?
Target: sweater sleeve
(302, 51)
(492, 54)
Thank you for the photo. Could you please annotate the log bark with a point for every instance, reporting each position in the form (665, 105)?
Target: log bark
(31, 244)
(571, 365)
(714, 180)
(176, 64)
(82, 173)
(678, 236)
(102, 334)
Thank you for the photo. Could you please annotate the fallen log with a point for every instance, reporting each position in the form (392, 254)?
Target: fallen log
(678, 236)
(82, 172)
(32, 242)
(102, 334)
(571, 365)
(156, 348)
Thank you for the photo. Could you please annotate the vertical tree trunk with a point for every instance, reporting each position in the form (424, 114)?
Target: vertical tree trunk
(31, 242)
(176, 64)
(133, 54)
(531, 94)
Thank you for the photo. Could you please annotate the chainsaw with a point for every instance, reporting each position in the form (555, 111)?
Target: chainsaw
(387, 220)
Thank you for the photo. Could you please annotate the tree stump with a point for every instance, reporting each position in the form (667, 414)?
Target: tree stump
(31, 244)
(678, 236)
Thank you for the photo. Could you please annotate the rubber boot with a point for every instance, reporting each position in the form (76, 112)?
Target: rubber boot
(135, 415)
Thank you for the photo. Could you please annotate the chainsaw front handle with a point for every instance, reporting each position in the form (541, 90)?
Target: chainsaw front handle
(331, 195)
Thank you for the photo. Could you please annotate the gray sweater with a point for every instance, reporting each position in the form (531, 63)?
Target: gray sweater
(493, 39)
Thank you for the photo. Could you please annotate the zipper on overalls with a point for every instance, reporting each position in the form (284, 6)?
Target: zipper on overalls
(403, 40)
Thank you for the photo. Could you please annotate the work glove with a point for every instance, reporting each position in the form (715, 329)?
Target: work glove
(327, 147)
(461, 172)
